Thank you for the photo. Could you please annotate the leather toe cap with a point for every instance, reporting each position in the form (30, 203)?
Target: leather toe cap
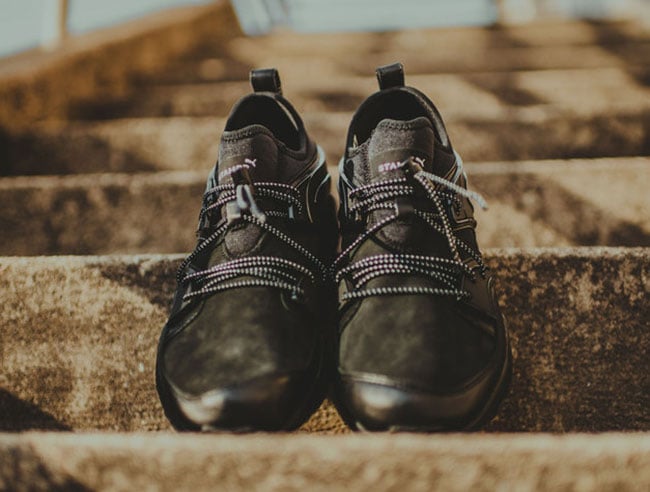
(376, 403)
(266, 403)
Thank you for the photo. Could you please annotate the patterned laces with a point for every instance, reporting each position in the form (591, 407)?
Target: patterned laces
(388, 195)
(253, 271)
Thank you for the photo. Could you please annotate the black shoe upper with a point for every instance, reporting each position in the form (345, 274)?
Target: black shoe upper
(245, 341)
(418, 312)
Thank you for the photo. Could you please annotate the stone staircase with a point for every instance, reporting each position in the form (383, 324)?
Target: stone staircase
(553, 121)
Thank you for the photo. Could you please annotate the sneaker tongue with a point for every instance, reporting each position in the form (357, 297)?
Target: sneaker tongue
(394, 142)
(250, 153)
(252, 149)
(390, 147)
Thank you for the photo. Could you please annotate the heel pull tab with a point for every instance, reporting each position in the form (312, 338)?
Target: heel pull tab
(266, 80)
(390, 75)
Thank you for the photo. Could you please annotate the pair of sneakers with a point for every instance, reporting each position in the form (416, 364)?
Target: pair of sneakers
(390, 308)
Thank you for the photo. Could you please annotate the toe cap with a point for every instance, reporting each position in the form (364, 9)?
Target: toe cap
(371, 402)
(267, 403)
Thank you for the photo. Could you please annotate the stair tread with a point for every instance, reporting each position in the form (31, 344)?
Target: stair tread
(578, 318)
(358, 462)
(185, 143)
(121, 213)
(534, 46)
(552, 92)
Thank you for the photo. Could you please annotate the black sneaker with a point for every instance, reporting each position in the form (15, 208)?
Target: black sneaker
(422, 343)
(246, 341)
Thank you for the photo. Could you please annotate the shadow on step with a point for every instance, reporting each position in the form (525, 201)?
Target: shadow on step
(19, 415)
(617, 135)
(208, 64)
(632, 50)
(22, 466)
(558, 208)
(156, 284)
(335, 100)
(50, 153)
(505, 87)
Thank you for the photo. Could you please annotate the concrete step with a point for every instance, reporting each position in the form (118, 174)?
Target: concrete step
(79, 337)
(491, 95)
(507, 48)
(357, 55)
(46, 461)
(534, 203)
(43, 84)
(182, 143)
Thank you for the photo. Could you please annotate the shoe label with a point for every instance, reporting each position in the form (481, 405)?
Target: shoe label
(395, 165)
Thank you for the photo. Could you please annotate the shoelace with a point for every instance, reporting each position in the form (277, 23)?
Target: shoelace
(385, 195)
(262, 271)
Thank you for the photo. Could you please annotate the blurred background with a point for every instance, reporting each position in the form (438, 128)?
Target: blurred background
(110, 112)
(30, 23)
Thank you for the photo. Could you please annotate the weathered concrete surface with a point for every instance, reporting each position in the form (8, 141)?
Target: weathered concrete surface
(100, 213)
(543, 91)
(539, 203)
(474, 50)
(322, 56)
(205, 43)
(491, 95)
(190, 143)
(357, 463)
(79, 335)
(104, 65)
(551, 203)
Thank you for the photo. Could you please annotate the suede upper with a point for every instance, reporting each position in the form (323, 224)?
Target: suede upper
(427, 342)
(253, 303)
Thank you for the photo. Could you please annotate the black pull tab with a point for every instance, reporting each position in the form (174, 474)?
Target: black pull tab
(390, 75)
(266, 80)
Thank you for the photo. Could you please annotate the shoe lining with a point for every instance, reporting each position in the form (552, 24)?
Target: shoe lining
(270, 113)
(393, 105)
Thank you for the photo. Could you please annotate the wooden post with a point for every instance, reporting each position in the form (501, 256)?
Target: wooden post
(501, 14)
(62, 14)
(55, 23)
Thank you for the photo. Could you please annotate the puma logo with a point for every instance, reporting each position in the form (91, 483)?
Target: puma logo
(248, 163)
(420, 161)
